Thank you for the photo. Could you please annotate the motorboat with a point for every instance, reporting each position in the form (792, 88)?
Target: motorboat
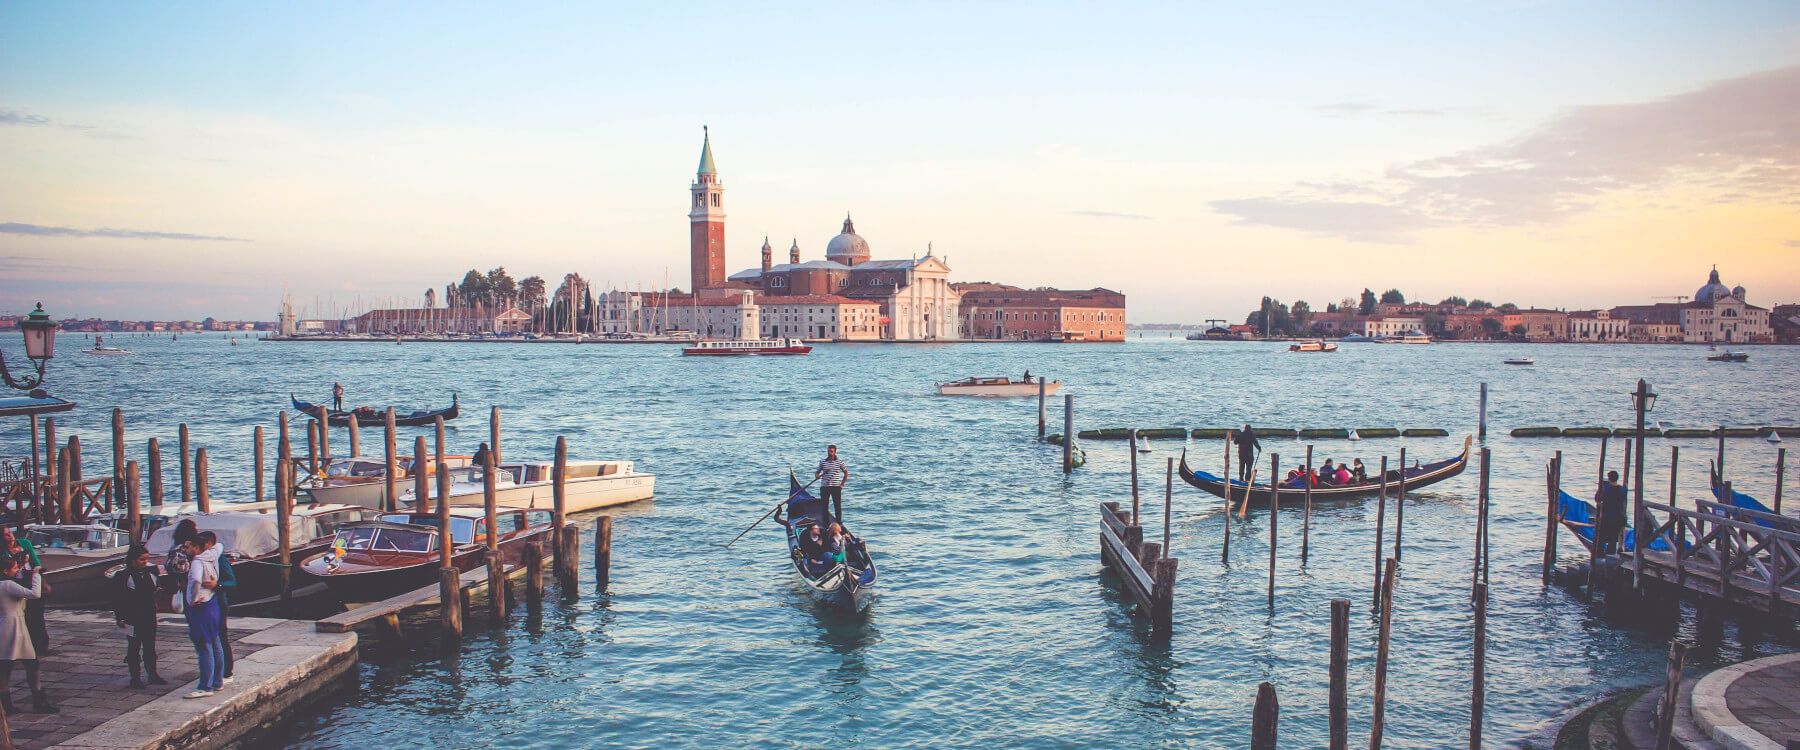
(102, 350)
(729, 347)
(847, 584)
(1314, 345)
(362, 480)
(251, 537)
(1410, 337)
(75, 558)
(369, 561)
(1521, 361)
(587, 485)
(996, 386)
(1355, 338)
(1729, 356)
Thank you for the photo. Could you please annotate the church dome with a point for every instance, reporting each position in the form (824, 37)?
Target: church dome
(1714, 289)
(847, 244)
(1738, 291)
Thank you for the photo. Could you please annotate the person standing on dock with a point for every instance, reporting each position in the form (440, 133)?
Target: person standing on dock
(134, 609)
(337, 396)
(1247, 447)
(202, 612)
(15, 640)
(1611, 504)
(831, 475)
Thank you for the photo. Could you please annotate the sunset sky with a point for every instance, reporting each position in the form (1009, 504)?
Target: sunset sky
(186, 160)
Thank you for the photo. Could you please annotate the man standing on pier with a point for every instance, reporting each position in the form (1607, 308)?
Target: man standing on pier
(1247, 449)
(337, 396)
(1611, 504)
(832, 474)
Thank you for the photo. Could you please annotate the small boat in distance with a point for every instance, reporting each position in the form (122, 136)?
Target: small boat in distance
(369, 415)
(1313, 345)
(1410, 337)
(1355, 338)
(1521, 361)
(105, 351)
(1729, 356)
(848, 584)
(587, 485)
(996, 386)
(747, 346)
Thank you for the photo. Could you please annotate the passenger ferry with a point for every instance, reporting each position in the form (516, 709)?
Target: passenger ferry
(756, 346)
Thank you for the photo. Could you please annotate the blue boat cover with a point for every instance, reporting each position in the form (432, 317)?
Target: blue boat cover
(1741, 500)
(1577, 510)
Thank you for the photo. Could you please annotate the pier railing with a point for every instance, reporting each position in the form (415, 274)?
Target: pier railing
(25, 501)
(1738, 561)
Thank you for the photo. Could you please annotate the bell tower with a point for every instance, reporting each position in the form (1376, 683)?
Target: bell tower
(706, 222)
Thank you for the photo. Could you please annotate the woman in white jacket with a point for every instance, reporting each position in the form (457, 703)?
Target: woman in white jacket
(203, 616)
(15, 637)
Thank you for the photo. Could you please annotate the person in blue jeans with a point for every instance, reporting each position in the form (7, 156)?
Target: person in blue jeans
(202, 609)
(222, 594)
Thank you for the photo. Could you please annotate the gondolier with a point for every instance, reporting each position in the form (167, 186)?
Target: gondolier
(1247, 449)
(831, 475)
(337, 396)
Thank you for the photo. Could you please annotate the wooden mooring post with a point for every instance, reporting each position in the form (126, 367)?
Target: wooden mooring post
(1274, 517)
(1780, 474)
(118, 457)
(356, 436)
(421, 478)
(450, 602)
(1225, 553)
(1144, 572)
(1380, 537)
(202, 498)
(1306, 520)
(1265, 719)
(1400, 505)
(1552, 519)
(1665, 710)
(1043, 395)
(134, 515)
(312, 447)
(494, 434)
(558, 509)
(1479, 573)
(495, 564)
(1168, 502)
(1132, 438)
(602, 550)
(1337, 700)
(256, 438)
(1378, 720)
(284, 543)
(37, 472)
(1478, 691)
(155, 457)
(186, 468)
(390, 497)
(1674, 468)
(1068, 445)
(533, 556)
(325, 439)
(443, 476)
(1482, 430)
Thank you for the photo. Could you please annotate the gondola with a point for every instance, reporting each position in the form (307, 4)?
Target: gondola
(848, 585)
(369, 415)
(1416, 477)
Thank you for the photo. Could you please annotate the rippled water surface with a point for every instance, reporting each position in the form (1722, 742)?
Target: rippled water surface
(995, 626)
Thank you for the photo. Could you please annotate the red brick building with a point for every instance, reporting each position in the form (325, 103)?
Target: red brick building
(1001, 312)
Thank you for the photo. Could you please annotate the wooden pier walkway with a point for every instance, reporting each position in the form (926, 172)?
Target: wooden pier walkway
(1145, 573)
(1721, 552)
(390, 609)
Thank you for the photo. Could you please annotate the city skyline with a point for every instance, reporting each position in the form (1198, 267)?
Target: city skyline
(197, 161)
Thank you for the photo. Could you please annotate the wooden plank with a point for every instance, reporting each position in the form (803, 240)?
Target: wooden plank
(420, 597)
(1139, 581)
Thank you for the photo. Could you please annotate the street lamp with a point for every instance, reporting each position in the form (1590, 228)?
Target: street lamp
(1645, 400)
(40, 346)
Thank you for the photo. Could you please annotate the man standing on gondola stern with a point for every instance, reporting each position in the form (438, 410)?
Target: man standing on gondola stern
(831, 475)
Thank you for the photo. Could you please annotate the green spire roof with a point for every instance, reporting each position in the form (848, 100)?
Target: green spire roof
(706, 162)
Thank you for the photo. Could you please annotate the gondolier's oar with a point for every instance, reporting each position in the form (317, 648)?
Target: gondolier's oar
(771, 512)
(1249, 486)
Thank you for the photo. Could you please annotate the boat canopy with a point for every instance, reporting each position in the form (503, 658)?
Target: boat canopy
(241, 534)
(90, 537)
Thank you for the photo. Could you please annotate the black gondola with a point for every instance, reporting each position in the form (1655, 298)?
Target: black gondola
(849, 584)
(1260, 494)
(368, 415)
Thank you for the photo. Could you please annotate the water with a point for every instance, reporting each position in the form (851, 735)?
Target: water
(995, 627)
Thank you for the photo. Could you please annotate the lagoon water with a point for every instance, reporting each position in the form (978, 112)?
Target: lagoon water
(995, 626)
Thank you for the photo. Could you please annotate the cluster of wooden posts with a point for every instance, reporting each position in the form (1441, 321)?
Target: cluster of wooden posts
(60, 495)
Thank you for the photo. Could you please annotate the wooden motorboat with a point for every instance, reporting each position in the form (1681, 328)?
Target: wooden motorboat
(847, 584)
(727, 347)
(369, 415)
(362, 480)
(1729, 356)
(1315, 345)
(369, 561)
(75, 558)
(1520, 361)
(996, 386)
(251, 538)
(587, 485)
(1261, 494)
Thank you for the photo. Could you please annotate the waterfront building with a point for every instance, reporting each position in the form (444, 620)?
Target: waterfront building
(1654, 333)
(1597, 325)
(916, 299)
(706, 223)
(1338, 322)
(1003, 312)
(821, 316)
(1397, 325)
(1717, 314)
(1784, 323)
(1540, 325)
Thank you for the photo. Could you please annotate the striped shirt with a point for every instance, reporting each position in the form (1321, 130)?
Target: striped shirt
(832, 471)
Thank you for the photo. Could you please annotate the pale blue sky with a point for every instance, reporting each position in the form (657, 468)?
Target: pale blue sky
(372, 150)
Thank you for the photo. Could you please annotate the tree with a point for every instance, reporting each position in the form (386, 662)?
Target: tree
(501, 288)
(1492, 326)
(1302, 316)
(1508, 308)
(1368, 303)
(1278, 319)
(531, 293)
(1331, 307)
(474, 289)
(430, 298)
(1518, 330)
(1434, 324)
(1454, 301)
(1393, 297)
(1480, 304)
(452, 296)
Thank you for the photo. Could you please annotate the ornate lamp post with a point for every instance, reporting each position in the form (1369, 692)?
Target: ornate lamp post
(1645, 401)
(40, 346)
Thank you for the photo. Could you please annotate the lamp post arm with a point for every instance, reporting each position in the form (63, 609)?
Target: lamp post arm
(29, 382)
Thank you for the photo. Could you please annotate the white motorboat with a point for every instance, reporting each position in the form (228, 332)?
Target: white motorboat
(996, 386)
(361, 480)
(105, 351)
(1521, 361)
(1314, 345)
(587, 485)
(1410, 337)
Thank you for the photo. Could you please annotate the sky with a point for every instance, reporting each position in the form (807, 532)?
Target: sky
(168, 161)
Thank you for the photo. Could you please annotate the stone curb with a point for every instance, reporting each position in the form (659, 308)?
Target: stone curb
(1715, 717)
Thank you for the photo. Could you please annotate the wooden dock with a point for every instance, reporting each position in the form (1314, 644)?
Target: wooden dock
(1141, 566)
(1724, 553)
(389, 610)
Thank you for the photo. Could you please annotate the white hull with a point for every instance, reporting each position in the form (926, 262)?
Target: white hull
(368, 495)
(584, 494)
(1010, 389)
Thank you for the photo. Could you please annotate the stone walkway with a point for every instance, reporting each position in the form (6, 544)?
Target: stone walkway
(1754, 705)
(84, 673)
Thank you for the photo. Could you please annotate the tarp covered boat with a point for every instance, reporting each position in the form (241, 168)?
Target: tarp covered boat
(1261, 494)
(848, 584)
(369, 415)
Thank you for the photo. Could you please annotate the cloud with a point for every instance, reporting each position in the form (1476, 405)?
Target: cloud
(17, 118)
(33, 230)
(23, 119)
(1791, 243)
(28, 264)
(1738, 137)
(1109, 215)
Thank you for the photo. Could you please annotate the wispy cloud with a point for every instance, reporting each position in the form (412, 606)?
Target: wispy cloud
(1353, 109)
(27, 264)
(17, 118)
(34, 230)
(1109, 215)
(1791, 243)
(1739, 138)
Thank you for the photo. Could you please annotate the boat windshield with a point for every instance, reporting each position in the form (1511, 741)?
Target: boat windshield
(382, 539)
(462, 530)
(78, 538)
(347, 469)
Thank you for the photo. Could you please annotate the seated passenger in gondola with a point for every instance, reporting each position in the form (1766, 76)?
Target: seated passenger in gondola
(814, 550)
(1357, 472)
(836, 541)
(1327, 474)
(1342, 477)
(1296, 477)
